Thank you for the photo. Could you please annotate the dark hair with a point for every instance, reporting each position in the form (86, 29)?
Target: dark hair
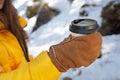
(9, 17)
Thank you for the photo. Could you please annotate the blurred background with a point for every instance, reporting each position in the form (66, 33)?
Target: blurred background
(48, 24)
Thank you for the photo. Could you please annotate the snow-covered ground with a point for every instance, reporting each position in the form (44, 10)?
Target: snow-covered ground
(105, 68)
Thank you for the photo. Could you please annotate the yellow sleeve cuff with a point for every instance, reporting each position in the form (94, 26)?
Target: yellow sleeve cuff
(43, 69)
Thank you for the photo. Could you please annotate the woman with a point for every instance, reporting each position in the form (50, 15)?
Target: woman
(16, 64)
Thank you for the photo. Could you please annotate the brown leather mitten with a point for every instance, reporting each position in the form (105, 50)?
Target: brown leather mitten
(76, 52)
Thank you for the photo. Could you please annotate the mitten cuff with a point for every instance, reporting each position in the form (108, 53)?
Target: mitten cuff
(54, 59)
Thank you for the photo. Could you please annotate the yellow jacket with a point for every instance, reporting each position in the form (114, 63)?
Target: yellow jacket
(13, 65)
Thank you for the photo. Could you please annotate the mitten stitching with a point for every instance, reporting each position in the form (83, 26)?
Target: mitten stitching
(54, 53)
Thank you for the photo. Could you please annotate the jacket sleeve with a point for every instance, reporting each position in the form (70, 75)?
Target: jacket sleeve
(40, 68)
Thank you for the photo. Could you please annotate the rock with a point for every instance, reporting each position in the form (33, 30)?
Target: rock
(84, 8)
(45, 15)
(84, 13)
(32, 10)
(70, 1)
(88, 5)
(67, 78)
(110, 18)
(36, 0)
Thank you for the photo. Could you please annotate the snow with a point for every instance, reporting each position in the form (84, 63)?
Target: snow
(105, 68)
(21, 6)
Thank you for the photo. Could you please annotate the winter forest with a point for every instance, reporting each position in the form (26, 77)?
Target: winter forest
(48, 24)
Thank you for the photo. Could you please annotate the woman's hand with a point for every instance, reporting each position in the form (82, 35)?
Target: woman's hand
(76, 52)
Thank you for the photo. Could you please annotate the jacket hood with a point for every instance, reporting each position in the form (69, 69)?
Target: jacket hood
(22, 21)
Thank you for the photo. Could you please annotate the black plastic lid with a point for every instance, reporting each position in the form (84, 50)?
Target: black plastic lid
(84, 26)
